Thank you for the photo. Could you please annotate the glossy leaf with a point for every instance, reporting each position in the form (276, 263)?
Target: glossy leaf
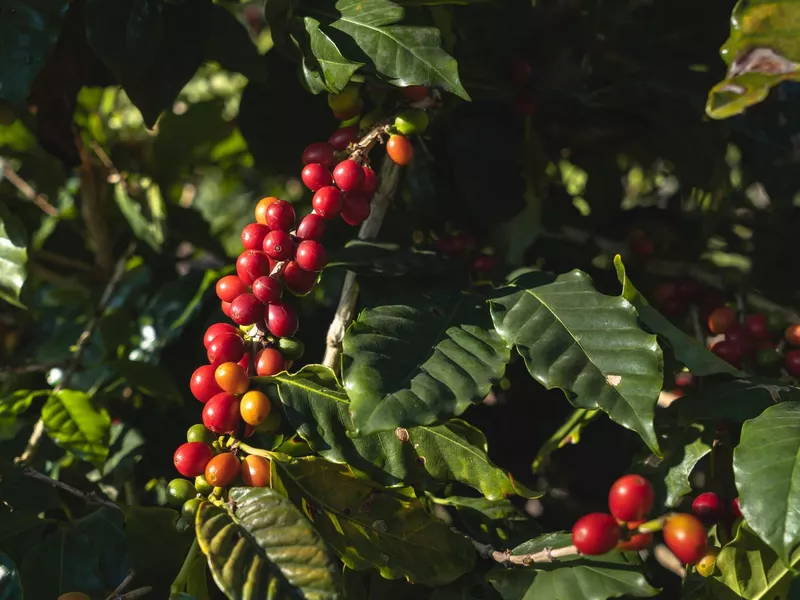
(683, 449)
(318, 408)
(736, 401)
(420, 362)
(324, 66)
(10, 582)
(77, 425)
(597, 577)
(19, 401)
(13, 251)
(368, 526)
(387, 259)
(590, 345)
(265, 548)
(766, 466)
(407, 55)
(145, 215)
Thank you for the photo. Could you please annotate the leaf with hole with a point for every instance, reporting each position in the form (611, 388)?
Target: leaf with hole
(13, 255)
(265, 548)
(73, 422)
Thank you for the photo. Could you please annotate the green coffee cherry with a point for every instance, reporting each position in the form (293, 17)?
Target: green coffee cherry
(369, 119)
(199, 433)
(768, 357)
(411, 121)
(190, 508)
(202, 486)
(291, 349)
(345, 101)
(179, 491)
(776, 322)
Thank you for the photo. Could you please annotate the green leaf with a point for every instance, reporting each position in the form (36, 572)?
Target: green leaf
(699, 359)
(683, 449)
(421, 361)
(368, 526)
(590, 345)
(28, 31)
(387, 259)
(324, 66)
(229, 44)
(148, 220)
(19, 401)
(407, 55)
(265, 548)
(10, 582)
(105, 529)
(196, 583)
(149, 379)
(318, 408)
(737, 400)
(74, 423)
(13, 252)
(766, 466)
(568, 433)
(597, 577)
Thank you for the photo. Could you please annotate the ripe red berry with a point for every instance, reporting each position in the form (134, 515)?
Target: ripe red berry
(370, 183)
(297, 280)
(246, 310)
(282, 320)
(221, 414)
(311, 256)
(792, 334)
(739, 335)
(595, 533)
(348, 175)
(230, 287)
(735, 510)
(311, 227)
(319, 152)
(484, 263)
(415, 93)
(226, 347)
(203, 385)
(225, 307)
(280, 215)
(792, 363)
(217, 329)
(251, 265)
(758, 326)
(269, 362)
(400, 150)
(728, 351)
(684, 379)
(253, 236)
(191, 458)
(708, 507)
(686, 537)
(631, 498)
(328, 202)
(356, 208)
(278, 245)
(342, 138)
(720, 319)
(315, 176)
(267, 289)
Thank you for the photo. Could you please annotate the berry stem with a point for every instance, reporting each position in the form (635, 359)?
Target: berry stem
(256, 451)
(88, 497)
(547, 555)
(180, 581)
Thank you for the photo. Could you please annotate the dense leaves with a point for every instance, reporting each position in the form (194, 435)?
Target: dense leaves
(13, 256)
(737, 400)
(324, 66)
(74, 422)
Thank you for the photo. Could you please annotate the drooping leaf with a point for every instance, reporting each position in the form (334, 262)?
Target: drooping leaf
(421, 361)
(77, 425)
(736, 401)
(588, 344)
(406, 54)
(598, 577)
(149, 379)
(13, 251)
(766, 466)
(387, 259)
(10, 582)
(265, 548)
(318, 408)
(324, 66)
(146, 216)
(229, 44)
(682, 449)
(19, 401)
(368, 526)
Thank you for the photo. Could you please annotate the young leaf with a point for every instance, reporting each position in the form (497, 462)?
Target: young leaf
(420, 362)
(13, 252)
(368, 526)
(406, 54)
(598, 577)
(318, 408)
(589, 344)
(10, 583)
(265, 547)
(74, 423)
(737, 400)
(150, 228)
(324, 66)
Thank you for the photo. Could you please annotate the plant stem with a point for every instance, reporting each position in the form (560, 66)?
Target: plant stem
(180, 581)
(257, 451)
(26, 190)
(547, 555)
(88, 497)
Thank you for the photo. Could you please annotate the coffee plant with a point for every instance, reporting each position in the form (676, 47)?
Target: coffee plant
(399, 299)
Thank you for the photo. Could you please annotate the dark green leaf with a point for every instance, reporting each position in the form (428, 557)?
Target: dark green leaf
(196, 583)
(146, 216)
(375, 258)
(568, 433)
(74, 423)
(324, 66)
(766, 467)
(229, 44)
(368, 526)
(10, 583)
(149, 379)
(683, 449)
(265, 548)
(420, 362)
(318, 408)
(737, 400)
(407, 55)
(105, 530)
(13, 252)
(588, 344)
(19, 401)
(598, 577)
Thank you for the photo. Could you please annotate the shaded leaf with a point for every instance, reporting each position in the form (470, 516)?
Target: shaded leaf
(229, 44)
(10, 582)
(380, 258)
(682, 449)
(420, 362)
(17, 402)
(737, 400)
(13, 253)
(105, 530)
(74, 423)
(568, 433)
(324, 66)
(146, 218)
(588, 344)
(368, 526)
(265, 548)
(149, 379)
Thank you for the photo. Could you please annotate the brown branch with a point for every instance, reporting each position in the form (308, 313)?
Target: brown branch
(27, 190)
(88, 497)
(547, 555)
(93, 197)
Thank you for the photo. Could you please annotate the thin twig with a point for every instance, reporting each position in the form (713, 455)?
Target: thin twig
(547, 555)
(33, 368)
(137, 593)
(122, 585)
(27, 190)
(88, 497)
(694, 315)
(80, 347)
(93, 197)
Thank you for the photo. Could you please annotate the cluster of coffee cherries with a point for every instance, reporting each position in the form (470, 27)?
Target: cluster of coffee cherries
(630, 501)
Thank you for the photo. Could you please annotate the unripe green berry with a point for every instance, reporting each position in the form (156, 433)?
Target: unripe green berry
(202, 486)
(345, 100)
(179, 491)
(768, 357)
(199, 433)
(291, 349)
(190, 507)
(411, 121)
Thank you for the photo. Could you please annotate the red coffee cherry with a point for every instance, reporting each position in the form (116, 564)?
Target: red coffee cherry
(484, 263)
(415, 93)
(595, 533)
(278, 245)
(267, 289)
(370, 183)
(221, 414)
(319, 152)
(708, 507)
(400, 150)
(251, 265)
(269, 361)
(758, 326)
(297, 280)
(328, 202)
(311, 256)
(735, 510)
(253, 236)
(282, 320)
(311, 227)
(203, 385)
(246, 310)
(217, 329)
(280, 215)
(686, 537)
(637, 541)
(191, 458)
(720, 319)
(256, 471)
(223, 469)
(356, 208)
(225, 307)
(792, 363)
(792, 334)
(728, 351)
(226, 347)
(739, 335)
(348, 175)
(631, 498)
(316, 176)
(342, 138)
(229, 287)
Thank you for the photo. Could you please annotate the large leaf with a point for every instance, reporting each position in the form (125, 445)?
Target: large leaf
(146, 218)
(387, 259)
(586, 577)
(324, 66)
(590, 345)
(265, 548)
(13, 252)
(420, 362)
(318, 408)
(407, 55)
(10, 583)
(368, 526)
(77, 425)
(766, 466)
(737, 400)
